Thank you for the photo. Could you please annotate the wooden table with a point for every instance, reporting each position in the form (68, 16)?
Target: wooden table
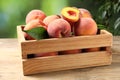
(11, 66)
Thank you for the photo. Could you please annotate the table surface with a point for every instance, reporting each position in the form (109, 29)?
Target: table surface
(11, 66)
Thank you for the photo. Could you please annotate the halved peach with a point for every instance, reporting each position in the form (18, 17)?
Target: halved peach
(70, 14)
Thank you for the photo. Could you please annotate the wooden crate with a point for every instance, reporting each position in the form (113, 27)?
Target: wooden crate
(64, 62)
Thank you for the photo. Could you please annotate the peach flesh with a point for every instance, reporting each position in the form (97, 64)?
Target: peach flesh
(70, 14)
(59, 28)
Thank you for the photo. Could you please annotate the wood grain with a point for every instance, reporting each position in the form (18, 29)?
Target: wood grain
(56, 63)
(11, 66)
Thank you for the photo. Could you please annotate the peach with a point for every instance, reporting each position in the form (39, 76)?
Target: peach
(46, 54)
(59, 28)
(71, 14)
(34, 23)
(85, 26)
(35, 14)
(85, 13)
(27, 37)
(92, 49)
(76, 51)
(50, 18)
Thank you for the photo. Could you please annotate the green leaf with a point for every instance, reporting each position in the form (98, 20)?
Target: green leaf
(100, 26)
(38, 33)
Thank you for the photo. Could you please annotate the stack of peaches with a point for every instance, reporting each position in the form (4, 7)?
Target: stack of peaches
(72, 22)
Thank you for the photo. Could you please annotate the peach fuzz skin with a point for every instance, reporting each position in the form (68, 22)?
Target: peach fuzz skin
(84, 13)
(59, 28)
(85, 26)
(46, 54)
(76, 51)
(34, 23)
(35, 14)
(50, 18)
(92, 49)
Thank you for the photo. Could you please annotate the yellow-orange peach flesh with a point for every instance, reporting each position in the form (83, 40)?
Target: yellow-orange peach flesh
(70, 14)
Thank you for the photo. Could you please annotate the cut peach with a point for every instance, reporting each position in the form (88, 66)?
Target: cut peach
(71, 14)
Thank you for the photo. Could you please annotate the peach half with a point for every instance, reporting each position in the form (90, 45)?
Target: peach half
(70, 14)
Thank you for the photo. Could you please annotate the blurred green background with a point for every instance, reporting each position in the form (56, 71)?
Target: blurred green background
(13, 12)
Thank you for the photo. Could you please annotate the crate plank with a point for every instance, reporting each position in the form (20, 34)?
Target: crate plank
(51, 45)
(55, 63)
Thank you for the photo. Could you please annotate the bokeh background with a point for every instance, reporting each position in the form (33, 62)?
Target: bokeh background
(13, 12)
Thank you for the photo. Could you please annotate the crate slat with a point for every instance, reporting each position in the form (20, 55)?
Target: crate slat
(64, 62)
(61, 44)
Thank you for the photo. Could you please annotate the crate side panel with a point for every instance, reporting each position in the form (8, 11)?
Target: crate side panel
(56, 63)
(20, 34)
(61, 44)
(20, 40)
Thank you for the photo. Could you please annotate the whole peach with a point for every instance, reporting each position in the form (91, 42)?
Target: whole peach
(35, 14)
(85, 26)
(59, 28)
(50, 18)
(46, 54)
(76, 51)
(33, 24)
(92, 49)
(85, 13)
(27, 37)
